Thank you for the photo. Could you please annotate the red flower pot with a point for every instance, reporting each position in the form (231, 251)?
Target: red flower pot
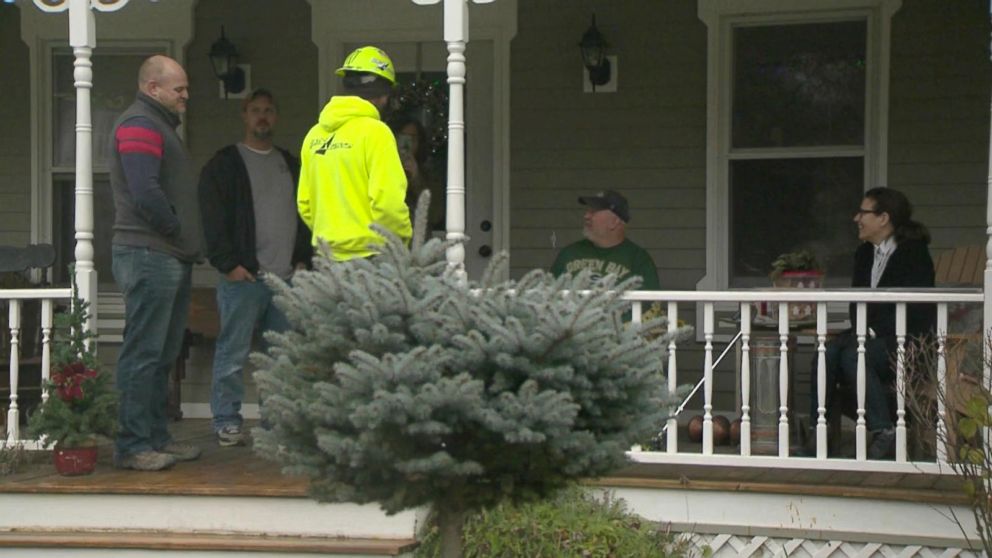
(74, 461)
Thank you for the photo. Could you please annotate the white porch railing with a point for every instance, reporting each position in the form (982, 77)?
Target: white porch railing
(15, 298)
(741, 332)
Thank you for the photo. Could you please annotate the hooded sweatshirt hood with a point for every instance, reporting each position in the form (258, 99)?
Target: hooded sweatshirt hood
(340, 110)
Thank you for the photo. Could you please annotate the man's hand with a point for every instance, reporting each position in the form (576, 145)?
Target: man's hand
(240, 274)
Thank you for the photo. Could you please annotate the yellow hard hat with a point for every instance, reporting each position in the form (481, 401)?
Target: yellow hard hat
(369, 60)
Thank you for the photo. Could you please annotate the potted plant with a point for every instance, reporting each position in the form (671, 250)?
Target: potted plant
(81, 402)
(794, 267)
(795, 270)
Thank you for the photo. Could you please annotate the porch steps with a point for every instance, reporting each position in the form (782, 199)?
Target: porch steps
(228, 503)
(169, 524)
(125, 542)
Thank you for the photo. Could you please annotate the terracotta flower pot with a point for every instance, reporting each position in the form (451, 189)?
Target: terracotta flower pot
(75, 460)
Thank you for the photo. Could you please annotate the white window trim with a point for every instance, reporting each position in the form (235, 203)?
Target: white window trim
(720, 16)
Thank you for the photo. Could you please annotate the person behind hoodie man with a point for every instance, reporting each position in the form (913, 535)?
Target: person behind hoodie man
(157, 239)
(351, 175)
(248, 203)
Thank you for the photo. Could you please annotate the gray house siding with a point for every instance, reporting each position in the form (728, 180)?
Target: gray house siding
(15, 142)
(647, 140)
(939, 116)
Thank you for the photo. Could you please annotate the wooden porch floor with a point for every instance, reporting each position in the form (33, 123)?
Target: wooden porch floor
(238, 471)
(233, 471)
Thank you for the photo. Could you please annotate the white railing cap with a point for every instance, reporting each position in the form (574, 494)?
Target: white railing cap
(811, 295)
(28, 294)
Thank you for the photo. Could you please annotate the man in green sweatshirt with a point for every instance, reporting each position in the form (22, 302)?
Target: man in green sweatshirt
(606, 249)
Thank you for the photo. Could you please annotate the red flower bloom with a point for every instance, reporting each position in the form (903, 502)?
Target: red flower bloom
(69, 381)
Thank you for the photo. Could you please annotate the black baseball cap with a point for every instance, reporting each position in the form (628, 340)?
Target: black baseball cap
(609, 199)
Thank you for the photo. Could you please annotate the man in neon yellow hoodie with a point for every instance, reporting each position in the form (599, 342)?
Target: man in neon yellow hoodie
(351, 175)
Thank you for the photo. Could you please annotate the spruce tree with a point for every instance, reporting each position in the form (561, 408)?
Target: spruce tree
(403, 385)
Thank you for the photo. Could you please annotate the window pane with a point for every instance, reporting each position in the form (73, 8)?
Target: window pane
(64, 233)
(114, 83)
(799, 85)
(784, 205)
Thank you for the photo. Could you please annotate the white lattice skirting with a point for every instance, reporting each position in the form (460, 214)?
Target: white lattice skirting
(753, 524)
(761, 547)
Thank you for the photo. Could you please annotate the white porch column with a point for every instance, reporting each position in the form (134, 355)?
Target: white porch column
(456, 37)
(82, 39)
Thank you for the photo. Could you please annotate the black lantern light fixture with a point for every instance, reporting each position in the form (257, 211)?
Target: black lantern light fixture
(224, 59)
(593, 47)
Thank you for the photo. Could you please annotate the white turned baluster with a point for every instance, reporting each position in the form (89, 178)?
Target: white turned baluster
(13, 412)
(821, 380)
(861, 432)
(708, 379)
(46, 345)
(635, 312)
(901, 381)
(783, 379)
(942, 382)
(672, 438)
(745, 378)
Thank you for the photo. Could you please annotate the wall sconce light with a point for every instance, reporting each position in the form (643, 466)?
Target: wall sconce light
(224, 59)
(593, 47)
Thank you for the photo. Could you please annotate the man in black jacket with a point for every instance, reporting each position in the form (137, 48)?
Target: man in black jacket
(248, 205)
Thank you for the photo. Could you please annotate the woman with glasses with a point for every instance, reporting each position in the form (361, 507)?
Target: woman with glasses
(893, 253)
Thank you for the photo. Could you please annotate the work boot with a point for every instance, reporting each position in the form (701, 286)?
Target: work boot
(145, 461)
(181, 451)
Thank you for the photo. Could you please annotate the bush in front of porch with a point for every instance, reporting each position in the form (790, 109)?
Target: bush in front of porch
(402, 384)
(950, 407)
(574, 523)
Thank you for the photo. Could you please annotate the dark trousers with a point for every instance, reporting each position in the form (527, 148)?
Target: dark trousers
(842, 380)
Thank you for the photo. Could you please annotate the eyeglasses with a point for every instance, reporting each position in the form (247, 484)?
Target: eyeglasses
(862, 212)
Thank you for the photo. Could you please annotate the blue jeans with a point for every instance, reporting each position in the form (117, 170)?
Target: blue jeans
(842, 367)
(156, 289)
(243, 306)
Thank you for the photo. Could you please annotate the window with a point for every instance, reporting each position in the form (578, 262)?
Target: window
(796, 158)
(797, 126)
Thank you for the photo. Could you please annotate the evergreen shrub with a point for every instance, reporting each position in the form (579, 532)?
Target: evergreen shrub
(403, 384)
(574, 523)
